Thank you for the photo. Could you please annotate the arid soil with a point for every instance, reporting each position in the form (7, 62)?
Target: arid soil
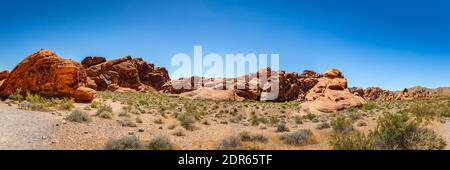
(22, 129)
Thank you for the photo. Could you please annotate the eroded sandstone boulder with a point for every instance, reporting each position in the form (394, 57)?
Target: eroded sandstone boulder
(331, 94)
(48, 75)
(126, 72)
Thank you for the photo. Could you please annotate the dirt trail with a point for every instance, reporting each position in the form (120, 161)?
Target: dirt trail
(20, 129)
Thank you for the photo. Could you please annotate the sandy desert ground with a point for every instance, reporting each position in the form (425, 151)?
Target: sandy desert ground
(210, 124)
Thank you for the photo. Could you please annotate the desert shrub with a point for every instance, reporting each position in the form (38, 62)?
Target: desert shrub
(256, 120)
(298, 138)
(342, 125)
(236, 119)
(66, 104)
(400, 132)
(273, 120)
(298, 119)
(323, 125)
(127, 122)
(94, 104)
(248, 137)
(229, 143)
(32, 106)
(361, 123)
(310, 116)
(139, 120)
(369, 106)
(428, 111)
(124, 113)
(79, 116)
(159, 121)
(393, 132)
(160, 143)
(179, 132)
(260, 138)
(356, 141)
(17, 95)
(124, 143)
(186, 121)
(281, 127)
(172, 126)
(105, 111)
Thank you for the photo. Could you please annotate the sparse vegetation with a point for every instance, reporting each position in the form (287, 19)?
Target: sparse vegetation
(79, 116)
(342, 125)
(369, 106)
(298, 138)
(230, 143)
(160, 143)
(393, 132)
(187, 121)
(281, 127)
(125, 143)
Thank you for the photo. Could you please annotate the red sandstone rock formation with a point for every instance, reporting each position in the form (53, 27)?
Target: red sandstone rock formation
(48, 75)
(126, 72)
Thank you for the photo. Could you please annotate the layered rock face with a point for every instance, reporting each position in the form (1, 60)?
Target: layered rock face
(48, 75)
(331, 94)
(124, 73)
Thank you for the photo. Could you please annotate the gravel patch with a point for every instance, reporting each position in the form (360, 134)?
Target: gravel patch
(24, 130)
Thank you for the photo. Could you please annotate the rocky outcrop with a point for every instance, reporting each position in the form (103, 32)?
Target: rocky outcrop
(48, 75)
(324, 93)
(212, 94)
(376, 93)
(331, 94)
(3, 76)
(92, 61)
(126, 72)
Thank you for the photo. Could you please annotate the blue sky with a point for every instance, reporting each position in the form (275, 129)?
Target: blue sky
(391, 44)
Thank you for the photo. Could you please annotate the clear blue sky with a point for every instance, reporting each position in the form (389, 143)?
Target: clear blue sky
(374, 42)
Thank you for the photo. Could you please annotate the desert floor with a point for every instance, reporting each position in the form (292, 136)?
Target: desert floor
(156, 116)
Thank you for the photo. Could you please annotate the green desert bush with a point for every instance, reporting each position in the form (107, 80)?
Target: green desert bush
(65, 104)
(323, 125)
(298, 138)
(400, 132)
(94, 104)
(186, 121)
(79, 116)
(356, 141)
(342, 125)
(127, 122)
(17, 95)
(160, 143)
(309, 116)
(124, 143)
(369, 106)
(105, 111)
(393, 132)
(282, 127)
